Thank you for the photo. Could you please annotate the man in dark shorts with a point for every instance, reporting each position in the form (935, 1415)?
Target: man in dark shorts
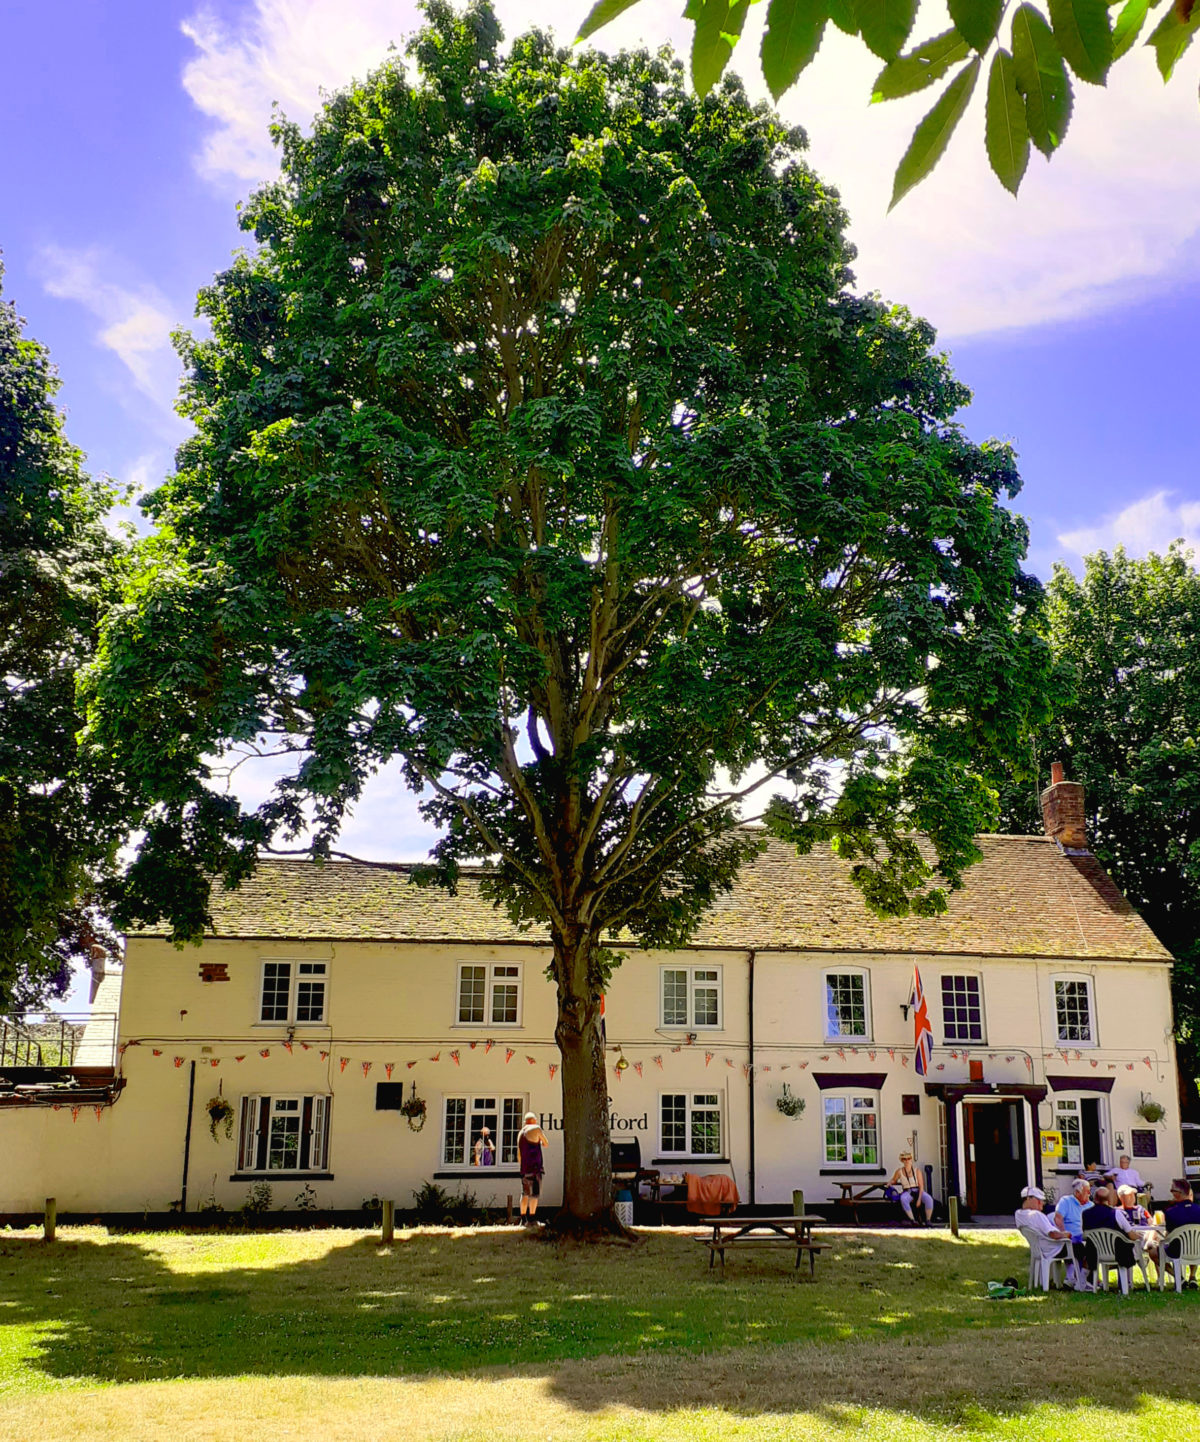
(530, 1141)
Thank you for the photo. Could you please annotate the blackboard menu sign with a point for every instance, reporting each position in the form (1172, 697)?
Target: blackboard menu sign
(1144, 1142)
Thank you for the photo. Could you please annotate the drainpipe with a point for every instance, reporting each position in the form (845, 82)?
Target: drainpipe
(753, 1193)
(187, 1137)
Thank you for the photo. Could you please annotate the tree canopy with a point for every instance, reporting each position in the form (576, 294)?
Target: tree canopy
(1126, 638)
(1029, 92)
(542, 444)
(57, 573)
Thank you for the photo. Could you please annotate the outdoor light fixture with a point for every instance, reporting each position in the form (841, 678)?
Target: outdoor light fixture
(622, 1064)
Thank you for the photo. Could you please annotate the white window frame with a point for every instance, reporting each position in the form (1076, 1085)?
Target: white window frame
(862, 974)
(1071, 1104)
(257, 1115)
(296, 977)
(494, 1108)
(947, 1039)
(496, 975)
(852, 1101)
(697, 978)
(1075, 978)
(696, 1104)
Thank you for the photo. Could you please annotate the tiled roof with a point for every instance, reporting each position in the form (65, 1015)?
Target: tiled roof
(1025, 898)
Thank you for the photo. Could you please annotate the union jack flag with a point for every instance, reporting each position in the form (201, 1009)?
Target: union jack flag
(923, 1032)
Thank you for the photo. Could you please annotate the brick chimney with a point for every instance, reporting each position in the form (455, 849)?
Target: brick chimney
(1062, 811)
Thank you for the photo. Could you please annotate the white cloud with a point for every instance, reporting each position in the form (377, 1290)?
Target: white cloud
(135, 323)
(1150, 524)
(1113, 216)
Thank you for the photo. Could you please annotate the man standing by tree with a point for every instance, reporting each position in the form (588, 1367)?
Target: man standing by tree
(530, 1141)
(542, 445)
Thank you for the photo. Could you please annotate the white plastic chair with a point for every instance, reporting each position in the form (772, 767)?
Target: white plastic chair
(1104, 1244)
(1189, 1254)
(1041, 1268)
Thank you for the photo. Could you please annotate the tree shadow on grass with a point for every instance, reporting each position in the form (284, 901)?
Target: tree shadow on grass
(888, 1319)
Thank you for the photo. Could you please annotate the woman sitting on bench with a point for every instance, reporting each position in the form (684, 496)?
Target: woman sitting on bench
(912, 1194)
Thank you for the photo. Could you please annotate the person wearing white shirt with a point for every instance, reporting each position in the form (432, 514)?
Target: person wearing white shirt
(1126, 1176)
(1038, 1229)
(1068, 1215)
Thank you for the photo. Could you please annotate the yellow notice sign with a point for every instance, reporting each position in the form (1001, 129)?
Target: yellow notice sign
(1052, 1146)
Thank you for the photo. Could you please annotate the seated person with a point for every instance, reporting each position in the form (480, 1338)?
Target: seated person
(1102, 1213)
(1068, 1217)
(1184, 1211)
(1137, 1216)
(1039, 1230)
(912, 1191)
(1094, 1173)
(1126, 1175)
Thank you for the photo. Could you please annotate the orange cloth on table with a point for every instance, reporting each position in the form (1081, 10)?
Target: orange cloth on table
(707, 1196)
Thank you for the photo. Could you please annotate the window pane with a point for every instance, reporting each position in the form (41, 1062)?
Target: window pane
(706, 1125)
(510, 1126)
(674, 1123)
(454, 1153)
(1067, 1116)
(283, 1143)
(277, 982)
(705, 993)
(472, 981)
(310, 991)
(962, 1010)
(675, 998)
(864, 1132)
(846, 1004)
(1073, 1004)
(835, 1129)
(504, 996)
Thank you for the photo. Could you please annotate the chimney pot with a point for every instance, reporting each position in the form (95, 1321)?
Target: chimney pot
(1063, 811)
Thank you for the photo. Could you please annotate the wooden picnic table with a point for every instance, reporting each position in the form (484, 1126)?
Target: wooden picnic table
(789, 1231)
(852, 1194)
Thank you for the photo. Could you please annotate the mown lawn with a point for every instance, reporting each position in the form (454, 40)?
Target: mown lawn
(493, 1334)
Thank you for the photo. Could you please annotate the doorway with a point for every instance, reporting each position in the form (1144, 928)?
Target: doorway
(997, 1164)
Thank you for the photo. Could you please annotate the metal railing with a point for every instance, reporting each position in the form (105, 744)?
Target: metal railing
(53, 1040)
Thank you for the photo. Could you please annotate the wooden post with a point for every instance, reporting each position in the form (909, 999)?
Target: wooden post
(509, 1216)
(51, 1219)
(389, 1223)
(797, 1203)
(952, 1207)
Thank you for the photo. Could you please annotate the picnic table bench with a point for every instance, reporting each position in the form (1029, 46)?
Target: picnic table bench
(793, 1232)
(852, 1194)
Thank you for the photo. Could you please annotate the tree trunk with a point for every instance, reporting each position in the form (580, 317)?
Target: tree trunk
(587, 1161)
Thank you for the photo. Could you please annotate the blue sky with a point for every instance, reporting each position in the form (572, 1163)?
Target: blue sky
(133, 127)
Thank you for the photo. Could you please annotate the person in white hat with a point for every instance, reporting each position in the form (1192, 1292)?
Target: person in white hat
(1037, 1229)
(530, 1141)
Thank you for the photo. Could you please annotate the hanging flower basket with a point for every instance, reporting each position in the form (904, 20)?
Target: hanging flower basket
(789, 1103)
(220, 1114)
(414, 1108)
(1150, 1110)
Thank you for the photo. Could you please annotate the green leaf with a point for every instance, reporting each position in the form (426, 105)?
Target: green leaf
(792, 38)
(600, 14)
(1129, 25)
(933, 134)
(718, 25)
(885, 24)
(922, 66)
(1084, 38)
(1006, 134)
(977, 20)
(1171, 38)
(1041, 76)
(841, 12)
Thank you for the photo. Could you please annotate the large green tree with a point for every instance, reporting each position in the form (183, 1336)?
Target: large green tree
(1029, 90)
(1126, 639)
(542, 444)
(57, 573)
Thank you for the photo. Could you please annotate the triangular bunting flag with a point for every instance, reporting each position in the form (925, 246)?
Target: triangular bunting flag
(389, 1067)
(892, 1052)
(266, 1051)
(488, 1045)
(75, 1113)
(366, 1068)
(532, 1060)
(454, 1058)
(708, 1056)
(437, 1056)
(99, 1112)
(287, 1046)
(408, 1064)
(343, 1063)
(214, 1062)
(553, 1069)
(657, 1062)
(156, 1051)
(508, 1055)
(179, 1061)
(637, 1066)
(240, 1058)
